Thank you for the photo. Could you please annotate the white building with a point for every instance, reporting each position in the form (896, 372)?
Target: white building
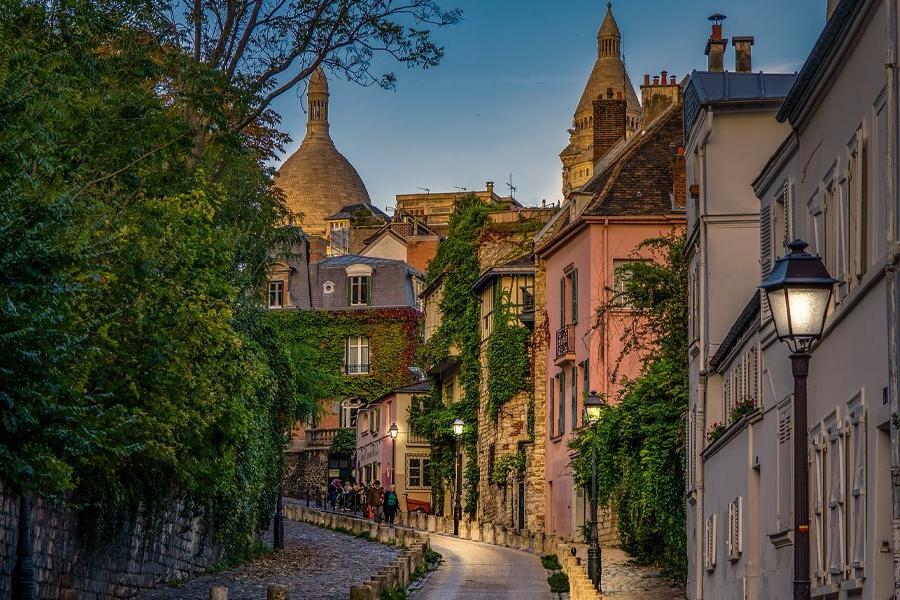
(831, 182)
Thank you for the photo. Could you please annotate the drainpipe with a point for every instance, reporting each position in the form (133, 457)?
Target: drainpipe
(891, 274)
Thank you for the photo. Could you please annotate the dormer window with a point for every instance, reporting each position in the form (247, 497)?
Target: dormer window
(359, 285)
(359, 290)
(276, 294)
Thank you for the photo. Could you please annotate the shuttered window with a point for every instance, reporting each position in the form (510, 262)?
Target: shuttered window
(785, 514)
(734, 541)
(856, 479)
(551, 417)
(765, 256)
(709, 557)
(834, 454)
(573, 276)
(817, 480)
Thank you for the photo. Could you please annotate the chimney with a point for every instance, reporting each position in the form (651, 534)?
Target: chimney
(715, 45)
(658, 96)
(609, 124)
(742, 45)
(490, 187)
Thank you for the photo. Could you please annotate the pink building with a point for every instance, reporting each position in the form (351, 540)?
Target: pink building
(636, 193)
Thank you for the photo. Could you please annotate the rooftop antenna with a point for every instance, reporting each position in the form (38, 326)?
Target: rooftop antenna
(512, 188)
(462, 189)
(426, 190)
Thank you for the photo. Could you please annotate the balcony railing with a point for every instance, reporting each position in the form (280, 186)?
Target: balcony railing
(357, 369)
(320, 438)
(565, 341)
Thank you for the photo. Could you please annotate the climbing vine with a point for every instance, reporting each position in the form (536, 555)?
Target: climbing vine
(508, 357)
(344, 443)
(456, 268)
(507, 465)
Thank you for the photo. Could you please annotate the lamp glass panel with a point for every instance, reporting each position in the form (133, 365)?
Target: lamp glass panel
(593, 413)
(778, 306)
(807, 310)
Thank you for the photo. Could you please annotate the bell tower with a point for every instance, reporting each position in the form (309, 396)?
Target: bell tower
(317, 99)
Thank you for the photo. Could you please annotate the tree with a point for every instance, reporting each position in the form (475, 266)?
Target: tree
(260, 49)
(640, 440)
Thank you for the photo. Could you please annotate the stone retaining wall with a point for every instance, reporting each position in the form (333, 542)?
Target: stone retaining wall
(138, 559)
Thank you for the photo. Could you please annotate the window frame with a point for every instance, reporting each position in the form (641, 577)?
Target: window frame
(279, 284)
(361, 368)
(359, 290)
(423, 461)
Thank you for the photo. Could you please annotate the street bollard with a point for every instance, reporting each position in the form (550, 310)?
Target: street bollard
(277, 592)
(218, 593)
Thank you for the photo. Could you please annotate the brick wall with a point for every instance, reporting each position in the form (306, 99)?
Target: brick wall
(138, 559)
(609, 124)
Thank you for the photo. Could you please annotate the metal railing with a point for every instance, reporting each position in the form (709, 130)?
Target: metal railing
(361, 369)
(320, 437)
(565, 340)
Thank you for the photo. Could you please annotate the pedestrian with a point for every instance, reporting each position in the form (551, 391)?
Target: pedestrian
(391, 504)
(334, 491)
(376, 500)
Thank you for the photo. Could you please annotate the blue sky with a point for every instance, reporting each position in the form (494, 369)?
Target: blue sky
(501, 101)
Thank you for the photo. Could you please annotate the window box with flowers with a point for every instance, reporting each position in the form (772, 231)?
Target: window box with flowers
(715, 432)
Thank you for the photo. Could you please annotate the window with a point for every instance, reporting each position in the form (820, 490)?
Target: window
(276, 294)
(359, 290)
(573, 287)
(417, 471)
(857, 200)
(735, 541)
(621, 277)
(450, 391)
(374, 419)
(709, 556)
(552, 412)
(357, 355)
(585, 382)
(834, 477)
(856, 482)
(574, 397)
(561, 429)
(568, 284)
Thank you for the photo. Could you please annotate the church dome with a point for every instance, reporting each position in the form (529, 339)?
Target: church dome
(609, 71)
(317, 180)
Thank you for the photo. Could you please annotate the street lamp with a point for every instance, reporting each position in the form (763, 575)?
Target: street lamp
(799, 290)
(457, 504)
(393, 431)
(593, 405)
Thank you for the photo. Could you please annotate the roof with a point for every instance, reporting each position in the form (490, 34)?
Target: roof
(349, 212)
(744, 321)
(404, 229)
(823, 52)
(637, 180)
(524, 265)
(609, 26)
(418, 387)
(346, 260)
(708, 88)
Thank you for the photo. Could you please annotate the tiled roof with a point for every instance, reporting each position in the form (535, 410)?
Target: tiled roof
(345, 260)
(638, 180)
(522, 265)
(746, 318)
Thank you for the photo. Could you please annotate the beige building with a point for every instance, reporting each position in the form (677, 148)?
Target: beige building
(434, 208)
(588, 141)
(828, 180)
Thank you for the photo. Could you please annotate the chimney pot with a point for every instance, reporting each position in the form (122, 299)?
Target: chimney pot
(672, 80)
(646, 79)
(656, 80)
(490, 186)
(664, 76)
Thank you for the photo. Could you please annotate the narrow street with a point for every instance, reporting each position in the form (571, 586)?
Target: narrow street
(472, 570)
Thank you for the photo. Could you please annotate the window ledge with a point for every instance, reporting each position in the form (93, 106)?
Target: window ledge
(730, 432)
(782, 538)
(556, 438)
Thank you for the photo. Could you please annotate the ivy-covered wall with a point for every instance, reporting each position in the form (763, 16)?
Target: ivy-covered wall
(393, 337)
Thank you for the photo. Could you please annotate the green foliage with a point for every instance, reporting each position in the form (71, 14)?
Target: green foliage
(393, 594)
(508, 357)
(456, 263)
(431, 557)
(344, 443)
(715, 431)
(640, 440)
(135, 368)
(559, 582)
(744, 407)
(507, 465)
(551, 562)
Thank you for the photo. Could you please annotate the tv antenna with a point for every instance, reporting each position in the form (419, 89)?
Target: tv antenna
(426, 190)
(512, 188)
(462, 189)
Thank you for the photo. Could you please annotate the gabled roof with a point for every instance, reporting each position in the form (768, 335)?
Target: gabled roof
(346, 260)
(524, 265)
(414, 228)
(349, 212)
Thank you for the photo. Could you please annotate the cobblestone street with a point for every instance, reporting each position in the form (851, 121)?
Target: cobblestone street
(317, 564)
(624, 580)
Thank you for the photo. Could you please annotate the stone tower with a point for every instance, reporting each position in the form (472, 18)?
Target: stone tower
(608, 81)
(317, 180)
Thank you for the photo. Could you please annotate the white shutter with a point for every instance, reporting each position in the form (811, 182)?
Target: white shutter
(816, 475)
(785, 467)
(836, 542)
(710, 559)
(729, 536)
(765, 256)
(788, 212)
(739, 525)
(856, 475)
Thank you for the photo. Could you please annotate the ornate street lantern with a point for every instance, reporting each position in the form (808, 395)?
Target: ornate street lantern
(593, 406)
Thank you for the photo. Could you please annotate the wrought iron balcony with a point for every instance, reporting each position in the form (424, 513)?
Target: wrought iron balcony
(565, 343)
(360, 369)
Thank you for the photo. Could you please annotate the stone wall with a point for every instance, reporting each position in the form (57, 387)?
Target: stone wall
(535, 477)
(305, 470)
(138, 559)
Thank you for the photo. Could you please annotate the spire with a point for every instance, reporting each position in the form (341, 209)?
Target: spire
(609, 38)
(317, 99)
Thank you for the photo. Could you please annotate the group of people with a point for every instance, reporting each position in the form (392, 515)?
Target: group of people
(375, 501)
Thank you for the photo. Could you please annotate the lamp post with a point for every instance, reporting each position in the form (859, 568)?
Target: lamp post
(457, 503)
(799, 290)
(393, 431)
(593, 404)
